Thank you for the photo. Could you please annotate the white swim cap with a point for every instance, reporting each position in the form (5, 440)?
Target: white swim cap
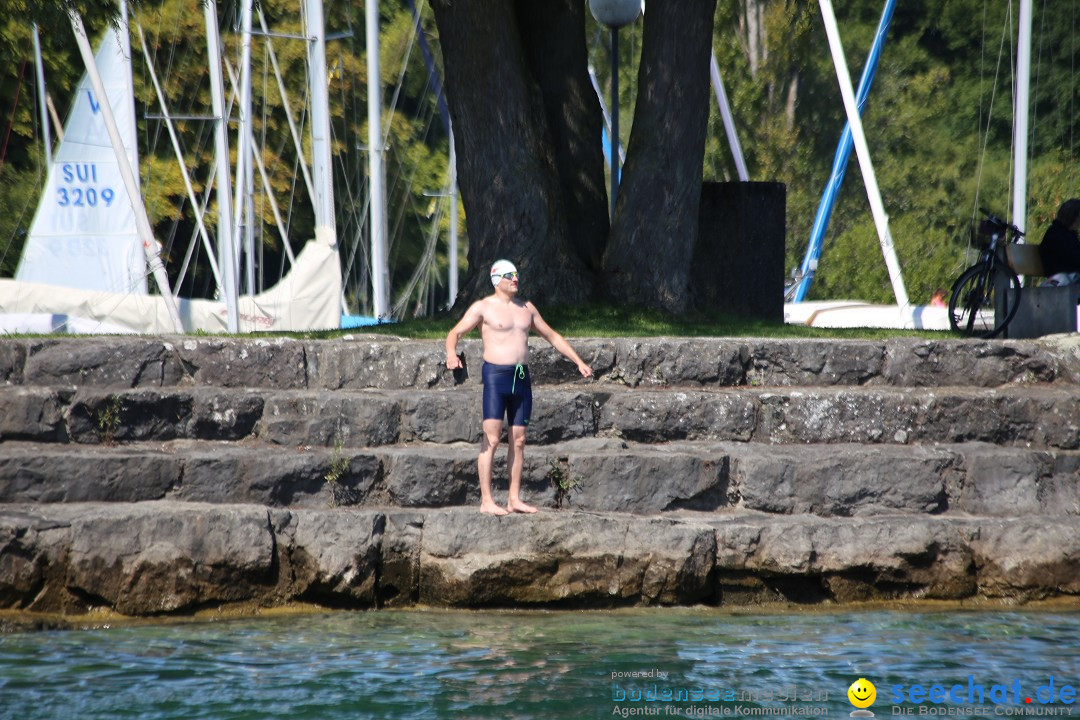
(500, 268)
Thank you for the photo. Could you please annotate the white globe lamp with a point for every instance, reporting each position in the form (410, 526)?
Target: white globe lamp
(615, 13)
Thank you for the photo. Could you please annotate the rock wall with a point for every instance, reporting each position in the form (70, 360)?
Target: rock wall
(166, 475)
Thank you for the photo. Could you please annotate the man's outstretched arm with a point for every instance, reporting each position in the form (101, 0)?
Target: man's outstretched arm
(557, 341)
(466, 324)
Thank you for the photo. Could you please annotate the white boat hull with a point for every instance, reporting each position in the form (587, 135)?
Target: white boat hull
(856, 314)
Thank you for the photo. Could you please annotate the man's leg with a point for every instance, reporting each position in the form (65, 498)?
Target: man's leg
(490, 441)
(515, 461)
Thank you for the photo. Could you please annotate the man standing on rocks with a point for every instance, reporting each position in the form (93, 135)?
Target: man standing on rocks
(505, 322)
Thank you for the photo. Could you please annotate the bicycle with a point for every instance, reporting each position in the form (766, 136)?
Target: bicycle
(986, 296)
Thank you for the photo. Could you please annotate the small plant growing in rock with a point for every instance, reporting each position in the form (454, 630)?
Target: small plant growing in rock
(339, 465)
(559, 477)
(108, 420)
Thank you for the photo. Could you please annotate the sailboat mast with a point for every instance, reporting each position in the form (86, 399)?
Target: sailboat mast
(45, 134)
(226, 252)
(1020, 117)
(808, 268)
(142, 221)
(452, 251)
(321, 158)
(729, 119)
(862, 151)
(380, 274)
(243, 224)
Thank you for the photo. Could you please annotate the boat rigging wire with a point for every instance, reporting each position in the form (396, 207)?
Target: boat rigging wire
(985, 135)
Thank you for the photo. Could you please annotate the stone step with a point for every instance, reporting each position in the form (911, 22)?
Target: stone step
(171, 557)
(1043, 416)
(601, 475)
(391, 363)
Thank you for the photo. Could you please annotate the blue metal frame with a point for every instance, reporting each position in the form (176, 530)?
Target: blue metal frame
(840, 161)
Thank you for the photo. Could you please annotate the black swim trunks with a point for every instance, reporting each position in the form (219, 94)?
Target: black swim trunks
(507, 391)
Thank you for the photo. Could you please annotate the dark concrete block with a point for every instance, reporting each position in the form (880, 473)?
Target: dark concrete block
(1045, 311)
(738, 264)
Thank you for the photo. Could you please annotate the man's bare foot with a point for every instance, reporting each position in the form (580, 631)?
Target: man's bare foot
(492, 509)
(519, 506)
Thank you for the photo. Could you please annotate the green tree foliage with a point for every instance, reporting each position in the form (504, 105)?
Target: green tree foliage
(938, 123)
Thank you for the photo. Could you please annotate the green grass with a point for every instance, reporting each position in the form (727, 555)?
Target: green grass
(598, 320)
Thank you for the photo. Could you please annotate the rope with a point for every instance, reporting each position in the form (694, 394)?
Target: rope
(30, 199)
(1072, 102)
(388, 125)
(424, 263)
(14, 107)
(989, 114)
(1035, 90)
(1011, 33)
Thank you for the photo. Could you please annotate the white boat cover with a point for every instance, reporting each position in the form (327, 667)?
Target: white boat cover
(307, 298)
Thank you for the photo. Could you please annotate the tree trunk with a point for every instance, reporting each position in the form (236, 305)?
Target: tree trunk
(507, 169)
(751, 25)
(647, 261)
(553, 35)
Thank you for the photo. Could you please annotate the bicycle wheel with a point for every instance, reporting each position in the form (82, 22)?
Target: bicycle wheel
(978, 306)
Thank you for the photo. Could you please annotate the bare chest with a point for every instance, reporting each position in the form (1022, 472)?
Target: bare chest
(508, 318)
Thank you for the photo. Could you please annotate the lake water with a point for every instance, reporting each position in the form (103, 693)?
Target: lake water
(436, 664)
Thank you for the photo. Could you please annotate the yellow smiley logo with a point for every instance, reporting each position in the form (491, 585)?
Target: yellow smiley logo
(862, 693)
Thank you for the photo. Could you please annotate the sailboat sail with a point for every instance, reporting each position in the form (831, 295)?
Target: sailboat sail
(84, 234)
